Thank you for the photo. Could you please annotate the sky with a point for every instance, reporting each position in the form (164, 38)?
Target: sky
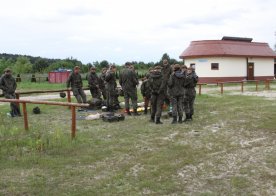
(128, 30)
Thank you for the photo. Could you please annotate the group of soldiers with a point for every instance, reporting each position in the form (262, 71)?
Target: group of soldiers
(171, 85)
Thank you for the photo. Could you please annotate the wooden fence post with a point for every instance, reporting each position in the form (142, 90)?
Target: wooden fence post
(268, 84)
(26, 126)
(242, 86)
(257, 85)
(221, 88)
(69, 97)
(73, 127)
(199, 91)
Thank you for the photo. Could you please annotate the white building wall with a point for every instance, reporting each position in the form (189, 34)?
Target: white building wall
(263, 66)
(228, 66)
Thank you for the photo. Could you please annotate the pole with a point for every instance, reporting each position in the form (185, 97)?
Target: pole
(257, 85)
(68, 97)
(199, 89)
(26, 126)
(73, 128)
(221, 88)
(242, 86)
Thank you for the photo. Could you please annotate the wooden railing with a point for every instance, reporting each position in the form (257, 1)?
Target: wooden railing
(25, 115)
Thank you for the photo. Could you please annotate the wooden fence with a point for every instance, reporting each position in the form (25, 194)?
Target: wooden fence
(25, 115)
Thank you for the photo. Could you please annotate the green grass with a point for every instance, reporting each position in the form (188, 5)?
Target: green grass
(228, 149)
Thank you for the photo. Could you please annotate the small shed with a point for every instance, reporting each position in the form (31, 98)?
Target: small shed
(230, 59)
(58, 76)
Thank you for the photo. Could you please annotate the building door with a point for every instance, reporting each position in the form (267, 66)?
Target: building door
(250, 71)
(274, 70)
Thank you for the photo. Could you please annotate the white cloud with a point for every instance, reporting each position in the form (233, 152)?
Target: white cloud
(124, 30)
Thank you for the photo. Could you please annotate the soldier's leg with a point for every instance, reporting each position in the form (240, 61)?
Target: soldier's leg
(77, 95)
(104, 93)
(126, 97)
(98, 94)
(186, 105)
(134, 99)
(153, 101)
(180, 108)
(83, 95)
(193, 96)
(174, 109)
(160, 101)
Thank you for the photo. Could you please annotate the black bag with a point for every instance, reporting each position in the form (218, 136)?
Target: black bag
(36, 110)
(112, 117)
(62, 94)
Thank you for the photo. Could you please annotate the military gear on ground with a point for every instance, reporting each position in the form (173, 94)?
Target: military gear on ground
(112, 117)
(62, 94)
(36, 110)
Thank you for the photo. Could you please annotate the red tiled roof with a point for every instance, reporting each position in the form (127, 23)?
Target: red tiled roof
(227, 48)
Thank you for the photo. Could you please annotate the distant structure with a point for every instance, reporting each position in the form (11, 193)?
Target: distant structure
(230, 59)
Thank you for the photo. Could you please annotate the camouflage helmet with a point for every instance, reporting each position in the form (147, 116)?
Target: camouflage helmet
(36, 110)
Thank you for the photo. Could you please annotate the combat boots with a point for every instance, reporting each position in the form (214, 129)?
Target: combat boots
(188, 117)
(146, 111)
(152, 119)
(135, 113)
(180, 119)
(158, 121)
(174, 121)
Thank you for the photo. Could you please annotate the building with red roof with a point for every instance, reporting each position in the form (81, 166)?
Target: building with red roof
(230, 59)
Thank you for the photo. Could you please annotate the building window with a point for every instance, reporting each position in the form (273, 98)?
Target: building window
(214, 66)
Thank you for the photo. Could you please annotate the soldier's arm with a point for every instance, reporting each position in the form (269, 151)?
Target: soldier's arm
(2, 84)
(170, 82)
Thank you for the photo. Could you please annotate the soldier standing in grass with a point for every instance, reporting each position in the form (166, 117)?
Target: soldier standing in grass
(176, 92)
(8, 85)
(145, 91)
(157, 87)
(129, 81)
(94, 83)
(102, 82)
(189, 94)
(195, 80)
(166, 72)
(110, 87)
(75, 81)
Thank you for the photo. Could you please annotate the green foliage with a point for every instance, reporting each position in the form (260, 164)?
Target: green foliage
(4, 63)
(40, 65)
(22, 65)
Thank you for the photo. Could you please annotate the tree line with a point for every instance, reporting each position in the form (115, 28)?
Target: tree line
(21, 64)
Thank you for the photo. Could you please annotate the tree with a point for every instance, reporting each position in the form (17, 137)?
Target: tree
(104, 63)
(22, 65)
(4, 63)
(40, 65)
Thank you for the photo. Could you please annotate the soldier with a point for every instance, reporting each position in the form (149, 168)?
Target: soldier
(195, 79)
(166, 72)
(129, 81)
(8, 85)
(157, 86)
(94, 83)
(102, 83)
(176, 92)
(189, 94)
(110, 87)
(75, 82)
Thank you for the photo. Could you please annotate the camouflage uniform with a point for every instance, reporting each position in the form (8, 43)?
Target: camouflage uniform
(195, 80)
(110, 88)
(176, 92)
(166, 72)
(76, 84)
(128, 80)
(94, 85)
(102, 84)
(8, 85)
(157, 87)
(189, 95)
(146, 93)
